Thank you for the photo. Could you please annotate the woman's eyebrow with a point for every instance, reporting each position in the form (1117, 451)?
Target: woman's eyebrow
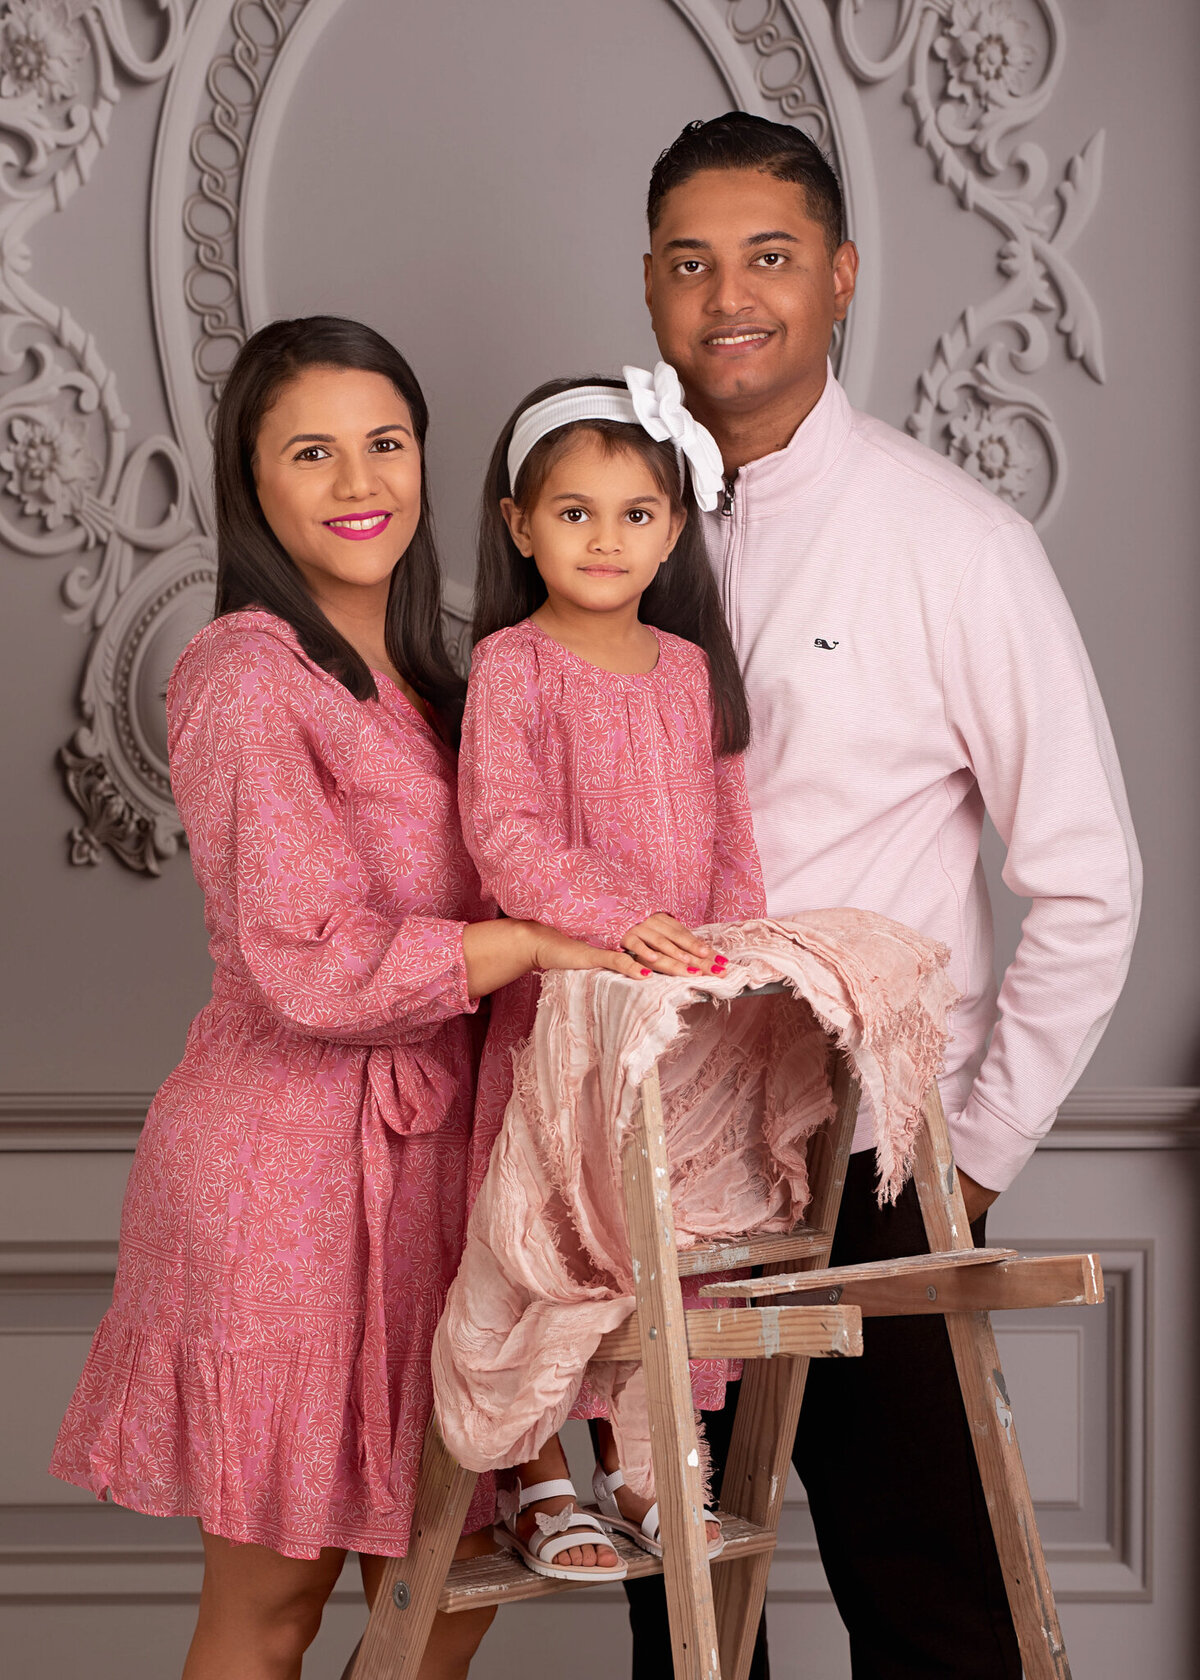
(327, 437)
(309, 437)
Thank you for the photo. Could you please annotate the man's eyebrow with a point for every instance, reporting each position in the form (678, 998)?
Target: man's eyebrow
(770, 238)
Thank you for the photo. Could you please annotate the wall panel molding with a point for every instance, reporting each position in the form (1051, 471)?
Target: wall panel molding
(1130, 1117)
(1097, 1542)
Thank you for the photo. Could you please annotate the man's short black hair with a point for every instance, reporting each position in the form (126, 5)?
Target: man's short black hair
(741, 141)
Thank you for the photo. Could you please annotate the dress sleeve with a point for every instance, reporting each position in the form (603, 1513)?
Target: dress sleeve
(737, 891)
(507, 813)
(256, 775)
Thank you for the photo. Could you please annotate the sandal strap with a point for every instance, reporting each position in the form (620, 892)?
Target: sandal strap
(651, 1522)
(546, 1547)
(548, 1490)
(604, 1486)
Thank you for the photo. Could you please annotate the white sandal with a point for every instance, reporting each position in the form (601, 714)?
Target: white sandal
(557, 1534)
(646, 1534)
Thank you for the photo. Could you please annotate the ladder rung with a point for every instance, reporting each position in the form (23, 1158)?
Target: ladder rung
(1008, 1282)
(754, 1251)
(752, 1333)
(787, 1283)
(502, 1578)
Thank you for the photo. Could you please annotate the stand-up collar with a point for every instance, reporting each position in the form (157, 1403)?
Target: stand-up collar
(776, 481)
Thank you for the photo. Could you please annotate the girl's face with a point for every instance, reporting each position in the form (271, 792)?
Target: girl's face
(338, 473)
(600, 529)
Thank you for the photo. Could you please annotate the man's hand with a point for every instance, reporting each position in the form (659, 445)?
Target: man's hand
(977, 1196)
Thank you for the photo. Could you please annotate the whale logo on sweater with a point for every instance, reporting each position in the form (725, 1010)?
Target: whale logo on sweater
(822, 643)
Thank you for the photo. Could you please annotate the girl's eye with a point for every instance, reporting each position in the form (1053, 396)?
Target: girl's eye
(640, 516)
(314, 452)
(387, 446)
(575, 516)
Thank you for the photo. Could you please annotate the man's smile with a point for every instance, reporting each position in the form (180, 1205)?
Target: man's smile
(737, 341)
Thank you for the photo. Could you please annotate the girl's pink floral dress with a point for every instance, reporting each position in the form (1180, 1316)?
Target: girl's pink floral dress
(297, 1203)
(590, 800)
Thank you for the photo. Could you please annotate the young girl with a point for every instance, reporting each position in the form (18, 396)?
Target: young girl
(296, 1207)
(601, 782)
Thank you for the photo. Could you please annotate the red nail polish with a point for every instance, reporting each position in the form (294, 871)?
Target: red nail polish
(693, 971)
(645, 971)
(716, 971)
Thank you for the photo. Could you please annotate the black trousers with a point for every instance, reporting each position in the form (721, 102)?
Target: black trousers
(886, 1459)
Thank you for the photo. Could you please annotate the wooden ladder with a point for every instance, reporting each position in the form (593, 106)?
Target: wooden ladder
(813, 1311)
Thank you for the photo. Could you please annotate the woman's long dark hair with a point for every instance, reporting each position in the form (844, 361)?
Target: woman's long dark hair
(253, 568)
(683, 598)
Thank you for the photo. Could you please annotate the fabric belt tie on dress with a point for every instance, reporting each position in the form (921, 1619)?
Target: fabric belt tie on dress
(405, 1095)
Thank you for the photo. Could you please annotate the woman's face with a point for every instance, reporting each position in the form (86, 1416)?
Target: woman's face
(338, 472)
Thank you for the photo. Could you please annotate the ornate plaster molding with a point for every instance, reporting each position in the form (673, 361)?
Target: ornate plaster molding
(977, 73)
(71, 485)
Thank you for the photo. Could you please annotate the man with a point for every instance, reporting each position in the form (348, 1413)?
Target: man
(910, 660)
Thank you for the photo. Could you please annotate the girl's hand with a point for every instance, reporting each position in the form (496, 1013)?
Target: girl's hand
(666, 946)
(552, 949)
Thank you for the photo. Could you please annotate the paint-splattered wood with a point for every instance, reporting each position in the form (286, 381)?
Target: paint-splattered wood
(829, 1277)
(989, 1414)
(1029, 1280)
(807, 1242)
(407, 1599)
(769, 1407)
(752, 1333)
(474, 1583)
(673, 1444)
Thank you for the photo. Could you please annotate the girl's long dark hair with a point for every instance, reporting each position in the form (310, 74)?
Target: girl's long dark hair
(254, 570)
(683, 598)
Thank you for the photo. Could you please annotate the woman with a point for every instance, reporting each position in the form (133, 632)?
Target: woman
(296, 1208)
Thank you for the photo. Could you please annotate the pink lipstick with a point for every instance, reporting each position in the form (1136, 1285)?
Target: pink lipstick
(360, 527)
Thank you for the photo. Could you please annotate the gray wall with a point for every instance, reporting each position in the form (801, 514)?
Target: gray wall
(468, 177)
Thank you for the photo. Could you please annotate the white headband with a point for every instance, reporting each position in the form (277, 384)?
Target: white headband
(652, 400)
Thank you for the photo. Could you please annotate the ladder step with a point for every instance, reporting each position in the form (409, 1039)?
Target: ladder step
(787, 1283)
(815, 1332)
(502, 1578)
(800, 1244)
(1003, 1281)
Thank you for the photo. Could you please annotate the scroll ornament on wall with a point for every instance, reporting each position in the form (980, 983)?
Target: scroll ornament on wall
(71, 487)
(975, 72)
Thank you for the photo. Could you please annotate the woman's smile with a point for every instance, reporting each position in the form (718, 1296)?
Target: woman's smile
(359, 527)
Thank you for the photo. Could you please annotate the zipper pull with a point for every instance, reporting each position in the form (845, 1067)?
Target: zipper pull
(727, 500)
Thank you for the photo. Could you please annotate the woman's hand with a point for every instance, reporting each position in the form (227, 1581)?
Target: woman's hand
(666, 946)
(552, 949)
(498, 952)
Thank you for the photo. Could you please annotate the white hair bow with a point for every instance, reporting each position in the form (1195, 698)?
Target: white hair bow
(658, 403)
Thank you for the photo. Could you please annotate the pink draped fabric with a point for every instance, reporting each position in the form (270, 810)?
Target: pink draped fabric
(297, 1202)
(546, 1270)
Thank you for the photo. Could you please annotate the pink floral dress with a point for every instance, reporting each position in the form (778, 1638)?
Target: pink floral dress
(590, 800)
(297, 1203)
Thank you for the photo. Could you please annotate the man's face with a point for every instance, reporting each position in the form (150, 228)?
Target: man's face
(742, 290)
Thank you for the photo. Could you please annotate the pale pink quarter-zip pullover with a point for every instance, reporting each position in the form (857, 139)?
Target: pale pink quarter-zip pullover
(911, 659)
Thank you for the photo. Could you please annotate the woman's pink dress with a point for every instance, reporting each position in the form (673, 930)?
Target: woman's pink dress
(297, 1204)
(590, 800)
